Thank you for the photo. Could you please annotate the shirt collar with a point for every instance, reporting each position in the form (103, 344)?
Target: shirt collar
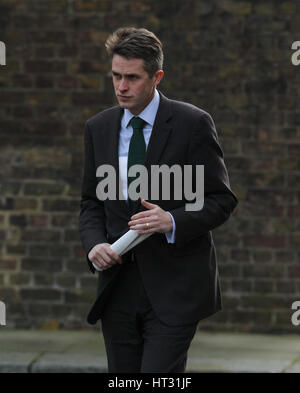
(148, 114)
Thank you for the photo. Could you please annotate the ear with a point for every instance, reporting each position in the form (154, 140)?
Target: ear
(158, 76)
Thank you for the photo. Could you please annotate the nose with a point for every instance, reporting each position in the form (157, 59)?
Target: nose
(123, 86)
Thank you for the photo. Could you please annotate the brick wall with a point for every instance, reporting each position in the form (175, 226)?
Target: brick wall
(232, 58)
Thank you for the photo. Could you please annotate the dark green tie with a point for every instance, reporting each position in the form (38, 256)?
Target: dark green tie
(137, 147)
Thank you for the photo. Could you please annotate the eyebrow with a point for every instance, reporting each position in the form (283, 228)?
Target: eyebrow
(117, 73)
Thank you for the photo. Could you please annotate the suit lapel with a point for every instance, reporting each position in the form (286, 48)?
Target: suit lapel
(160, 132)
(112, 148)
(112, 139)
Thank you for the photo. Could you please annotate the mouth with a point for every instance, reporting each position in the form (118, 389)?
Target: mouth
(123, 98)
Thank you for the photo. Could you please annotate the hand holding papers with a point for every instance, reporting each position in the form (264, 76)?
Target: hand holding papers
(126, 242)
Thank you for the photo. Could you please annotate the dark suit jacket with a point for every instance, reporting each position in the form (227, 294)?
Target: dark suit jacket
(181, 279)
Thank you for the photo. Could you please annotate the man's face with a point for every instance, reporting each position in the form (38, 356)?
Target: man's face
(133, 86)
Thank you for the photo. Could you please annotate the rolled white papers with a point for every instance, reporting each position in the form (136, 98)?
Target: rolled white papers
(126, 242)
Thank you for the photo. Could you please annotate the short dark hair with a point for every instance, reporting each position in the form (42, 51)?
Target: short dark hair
(133, 43)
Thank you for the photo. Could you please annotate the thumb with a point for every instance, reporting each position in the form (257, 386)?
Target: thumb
(148, 205)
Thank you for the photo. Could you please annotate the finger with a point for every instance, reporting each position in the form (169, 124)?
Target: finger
(114, 256)
(152, 220)
(140, 215)
(141, 226)
(146, 231)
(105, 258)
(108, 257)
(151, 217)
(102, 256)
(100, 263)
(141, 221)
(147, 228)
(97, 263)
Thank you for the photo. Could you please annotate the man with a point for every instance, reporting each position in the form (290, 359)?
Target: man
(151, 299)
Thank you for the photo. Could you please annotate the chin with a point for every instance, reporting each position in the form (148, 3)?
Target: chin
(127, 106)
(124, 105)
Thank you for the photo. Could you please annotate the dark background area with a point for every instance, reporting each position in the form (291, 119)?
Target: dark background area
(232, 59)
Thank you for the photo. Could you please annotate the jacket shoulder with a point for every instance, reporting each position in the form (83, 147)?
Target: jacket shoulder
(195, 119)
(189, 110)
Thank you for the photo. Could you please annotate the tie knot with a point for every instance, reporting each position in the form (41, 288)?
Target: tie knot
(137, 123)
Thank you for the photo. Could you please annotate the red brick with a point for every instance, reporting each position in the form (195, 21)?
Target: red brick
(271, 241)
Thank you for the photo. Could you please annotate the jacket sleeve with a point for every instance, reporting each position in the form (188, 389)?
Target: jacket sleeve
(92, 216)
(219, 200)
